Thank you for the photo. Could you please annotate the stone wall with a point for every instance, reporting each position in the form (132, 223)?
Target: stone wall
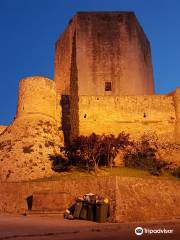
(176, 96)
(102, 47)
(66, 78)
(63, 56)
(132, 114)
(13, 195)
(110, 47)
(37, 95)
(150, 199)
(29, 143)
(132, 199)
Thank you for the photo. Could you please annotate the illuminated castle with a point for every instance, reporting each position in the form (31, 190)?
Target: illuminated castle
(103, 84)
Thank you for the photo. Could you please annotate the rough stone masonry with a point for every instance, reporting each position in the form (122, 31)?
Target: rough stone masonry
(103, 84)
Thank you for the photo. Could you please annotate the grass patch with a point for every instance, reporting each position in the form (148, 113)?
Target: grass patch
(126, 172)
(76, 174)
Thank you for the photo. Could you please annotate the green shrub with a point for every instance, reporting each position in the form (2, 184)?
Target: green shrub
(90, 152)
(142, 156)
(59, 163)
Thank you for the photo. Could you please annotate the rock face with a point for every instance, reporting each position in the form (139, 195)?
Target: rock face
(27, 144)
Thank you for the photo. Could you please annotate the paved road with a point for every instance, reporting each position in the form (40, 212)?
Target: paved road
(53, 228)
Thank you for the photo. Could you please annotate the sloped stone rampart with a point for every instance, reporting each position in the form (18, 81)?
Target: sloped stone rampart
(2, 128)
(29, 143)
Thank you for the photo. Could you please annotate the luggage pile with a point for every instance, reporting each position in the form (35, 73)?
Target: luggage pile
(90, 207)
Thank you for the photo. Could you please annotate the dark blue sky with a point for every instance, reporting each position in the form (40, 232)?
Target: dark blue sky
(29, 29)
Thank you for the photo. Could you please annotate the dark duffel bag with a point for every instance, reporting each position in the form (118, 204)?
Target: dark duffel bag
(78, 208)
(84, 210)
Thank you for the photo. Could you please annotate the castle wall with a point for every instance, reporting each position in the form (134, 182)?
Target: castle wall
(132, 114)
(110, 47)
(176, 96)
(63, 55)
(34, 137)
(37, 95)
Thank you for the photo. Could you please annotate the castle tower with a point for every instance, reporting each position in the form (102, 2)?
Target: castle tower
(34, 138)
(37, 96)
(104, 53)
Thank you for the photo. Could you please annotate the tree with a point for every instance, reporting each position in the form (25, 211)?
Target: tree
(96, 150)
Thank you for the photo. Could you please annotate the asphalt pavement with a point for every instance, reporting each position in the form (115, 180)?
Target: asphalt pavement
(55, 228)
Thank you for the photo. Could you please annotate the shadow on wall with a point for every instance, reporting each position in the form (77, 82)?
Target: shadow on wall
(70, 103)
(65, 121)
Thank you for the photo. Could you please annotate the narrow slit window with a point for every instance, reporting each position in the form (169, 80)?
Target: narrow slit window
(108, 86)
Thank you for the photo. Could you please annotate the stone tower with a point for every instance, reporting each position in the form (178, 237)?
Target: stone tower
(104, 53)
(35, 135)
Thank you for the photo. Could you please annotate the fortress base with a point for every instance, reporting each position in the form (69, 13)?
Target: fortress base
(132, 199)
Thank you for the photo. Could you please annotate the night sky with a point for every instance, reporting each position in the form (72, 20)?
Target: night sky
(29, 29)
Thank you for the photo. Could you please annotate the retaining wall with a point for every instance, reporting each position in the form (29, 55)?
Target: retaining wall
(132, 199)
